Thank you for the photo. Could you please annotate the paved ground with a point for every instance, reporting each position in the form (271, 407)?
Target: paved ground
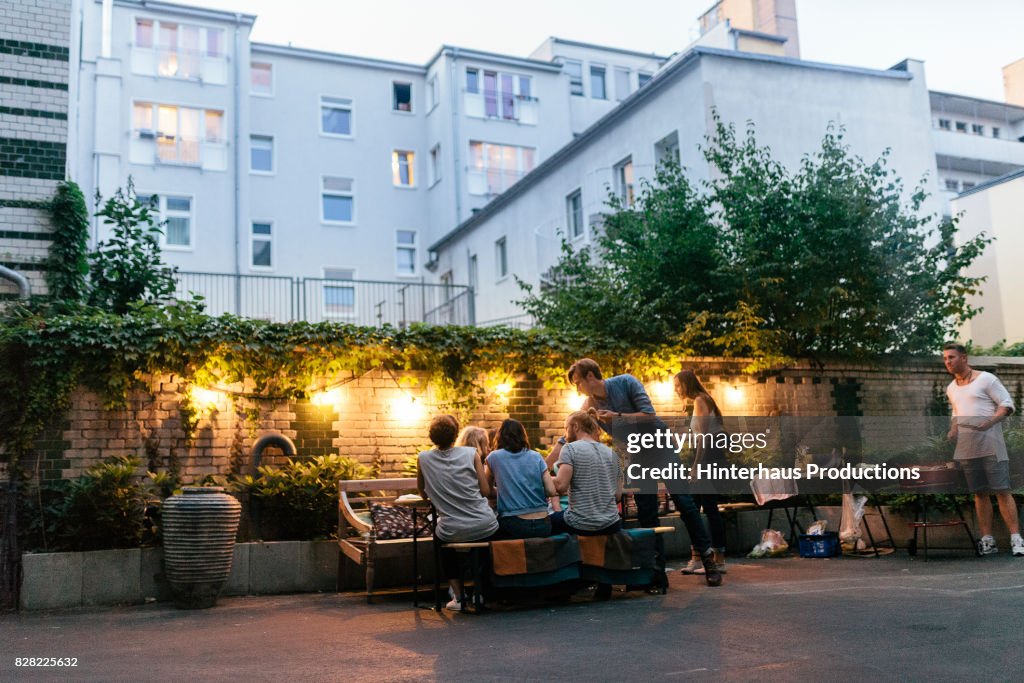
(953, 618)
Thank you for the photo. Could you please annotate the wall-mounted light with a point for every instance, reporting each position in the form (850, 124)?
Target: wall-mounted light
(663, 391)
(575, 401)
(331, 397)
(503, 389)
(406, 409)
(734, 395)
(207, 399)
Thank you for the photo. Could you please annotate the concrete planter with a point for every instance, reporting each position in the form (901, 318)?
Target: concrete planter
(135, 576)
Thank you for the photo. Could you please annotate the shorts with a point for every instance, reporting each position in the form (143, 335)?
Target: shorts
(986, 475)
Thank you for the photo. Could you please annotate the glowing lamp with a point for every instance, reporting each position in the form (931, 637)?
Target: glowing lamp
(503, 389)
(326, 398)
(734, 395)
(663, 391)
(406, 409)
(206, 398)
(575, 401)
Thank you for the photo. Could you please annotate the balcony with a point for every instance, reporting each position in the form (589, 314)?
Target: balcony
(370, 303)
(502, 107)
(153, 147)
(182, 64)
(492, 181)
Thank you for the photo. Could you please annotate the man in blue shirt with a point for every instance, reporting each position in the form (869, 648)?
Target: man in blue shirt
(624, 408)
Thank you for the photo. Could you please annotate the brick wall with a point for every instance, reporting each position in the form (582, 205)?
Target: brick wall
(372, 419)
(34, 53)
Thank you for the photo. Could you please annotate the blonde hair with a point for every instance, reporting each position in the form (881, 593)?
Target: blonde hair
(585, 421)
(475, 437)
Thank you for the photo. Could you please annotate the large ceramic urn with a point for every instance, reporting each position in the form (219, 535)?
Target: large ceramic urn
(199, 528)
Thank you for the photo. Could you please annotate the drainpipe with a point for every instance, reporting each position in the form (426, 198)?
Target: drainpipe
(24, 290)
(238, 166)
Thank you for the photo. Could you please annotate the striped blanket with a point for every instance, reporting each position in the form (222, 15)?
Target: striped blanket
(622, 551)
(534, 555)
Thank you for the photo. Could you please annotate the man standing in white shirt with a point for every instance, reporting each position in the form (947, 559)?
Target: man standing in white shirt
(980, 403)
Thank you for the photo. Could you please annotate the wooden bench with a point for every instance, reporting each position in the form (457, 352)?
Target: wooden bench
(357, 538)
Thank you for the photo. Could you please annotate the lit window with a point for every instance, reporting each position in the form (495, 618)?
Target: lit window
(261, 78)
(401, 97)
(574, 214)
(182, 135)
(261, 245)
(214, 132)
(335, 116)
(144, 33)
(597, 84)
(339, 297)
(624, 182)
(261, 153)
(622, 79)
(405, 252)
(495, 168)
(501, 257)
(575, 71)
(337, 200)
(402, 168)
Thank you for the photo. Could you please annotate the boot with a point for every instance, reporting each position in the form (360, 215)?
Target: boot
(711, 573)
(694, 566)
(720, 560)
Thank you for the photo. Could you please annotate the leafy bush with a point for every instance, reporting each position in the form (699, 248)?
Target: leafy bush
(67, 263)
(298, 501)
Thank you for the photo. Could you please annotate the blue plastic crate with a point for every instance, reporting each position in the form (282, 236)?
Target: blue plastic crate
(819, 545)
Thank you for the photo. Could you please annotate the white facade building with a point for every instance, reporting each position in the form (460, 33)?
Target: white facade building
(288, 175)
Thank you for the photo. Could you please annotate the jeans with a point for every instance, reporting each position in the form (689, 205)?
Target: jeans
(716, 525)
(559, 526)
(517, 527)
(647, 515)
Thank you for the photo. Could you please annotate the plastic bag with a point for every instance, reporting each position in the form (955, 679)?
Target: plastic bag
(817, 527)
(772, 544)
(853, 512)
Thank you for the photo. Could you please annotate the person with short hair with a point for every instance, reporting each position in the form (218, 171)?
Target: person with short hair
(980, 403)
(453, 479)
(589, 472)
(623, 410)
(523, 483)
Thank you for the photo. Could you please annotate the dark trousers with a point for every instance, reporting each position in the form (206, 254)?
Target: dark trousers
(559, 526)
(647, 516)
(708, 503)
(517, 527)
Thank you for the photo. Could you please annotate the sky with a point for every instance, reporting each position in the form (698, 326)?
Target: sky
(964, 43)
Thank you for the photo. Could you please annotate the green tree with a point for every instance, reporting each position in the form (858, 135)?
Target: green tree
(827, 260)
(128, 267)
(68, 265)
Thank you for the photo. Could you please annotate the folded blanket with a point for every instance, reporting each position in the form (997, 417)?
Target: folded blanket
(534, 555)
(624, 550)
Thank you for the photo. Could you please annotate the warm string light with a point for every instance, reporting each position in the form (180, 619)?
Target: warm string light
(663, 391)
(734, 395)
(575, 401)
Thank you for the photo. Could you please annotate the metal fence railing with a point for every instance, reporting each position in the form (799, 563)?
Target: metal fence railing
(361, 302)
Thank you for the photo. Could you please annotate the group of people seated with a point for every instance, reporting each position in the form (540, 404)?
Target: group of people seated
(466, 472)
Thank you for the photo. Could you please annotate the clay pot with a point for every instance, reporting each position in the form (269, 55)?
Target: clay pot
(199, 528)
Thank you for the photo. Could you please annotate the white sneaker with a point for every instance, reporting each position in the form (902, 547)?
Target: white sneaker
(694, 566)
(1017, 547)
(453, 606)
(987, 546)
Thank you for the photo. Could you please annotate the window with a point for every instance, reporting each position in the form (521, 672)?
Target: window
(335, 116)
(574, 214)
(499, 95)
(176, 212)
(945, 124)
(966, 185)
(261, 245)
(401, 97)
(261, 154)
(176, 50)
(952, 185)
(666, 150)
(501, 258)
(405, 252)
(472, 80)
(597, 86)
(621, 83)
(182, 135)
(337, 200)
(433, 95)
(977, 129)
(961, 127)
(575, 71)
(643, 78)
(435, 163)
(474, 273)
(339, 297)
(995, 132)
(624, 182)
(402, 168)
(495, 168)
(261, 78)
